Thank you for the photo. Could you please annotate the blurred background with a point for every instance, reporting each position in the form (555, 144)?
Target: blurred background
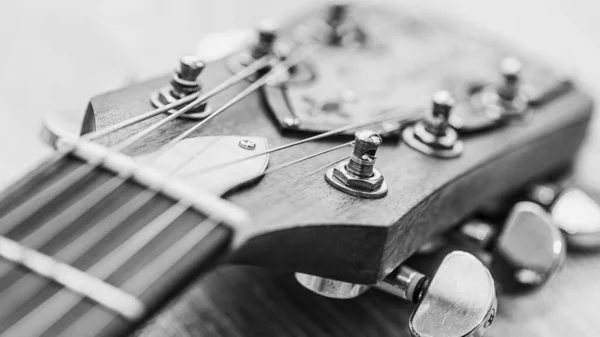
(55, 55)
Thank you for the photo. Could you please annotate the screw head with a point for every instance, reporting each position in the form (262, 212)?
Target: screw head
(190, 67)
(247, 144)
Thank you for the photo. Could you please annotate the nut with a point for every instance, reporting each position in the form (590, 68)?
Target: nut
(370, 184)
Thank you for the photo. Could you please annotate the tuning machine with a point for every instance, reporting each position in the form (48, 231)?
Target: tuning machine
(269, 43)
(184, 82)
(459, 300)
(573, 211)
(357, 175)
(490, 106)
(434, 135)
(523, 254)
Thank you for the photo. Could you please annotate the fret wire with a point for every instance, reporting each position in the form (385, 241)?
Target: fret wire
(74, 279)
(19, 214)
(251, 69)
(49, 229)
(143, 279)
(72, 251)
(91, 166)
(54, 308)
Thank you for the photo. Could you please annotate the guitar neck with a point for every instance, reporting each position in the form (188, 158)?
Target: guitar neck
(85, 251)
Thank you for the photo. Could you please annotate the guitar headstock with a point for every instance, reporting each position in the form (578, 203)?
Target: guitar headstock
(498, 126)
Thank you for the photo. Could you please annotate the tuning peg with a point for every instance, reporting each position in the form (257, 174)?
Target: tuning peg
(357, 176)
(433, 135)
(574, 211)
(266, 37)
(183, 83)
(510, 98)
(525, 254)
(459, 301)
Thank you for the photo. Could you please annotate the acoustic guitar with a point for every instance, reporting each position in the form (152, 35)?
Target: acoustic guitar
(352, 172)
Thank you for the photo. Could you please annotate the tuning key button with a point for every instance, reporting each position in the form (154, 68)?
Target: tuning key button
(529, 250)
(183, 83)
(357, 176)
(433, 135)
(574, 212)
(459, 301)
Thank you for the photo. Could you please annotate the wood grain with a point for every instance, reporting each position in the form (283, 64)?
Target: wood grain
(561, 31)
(303, 224)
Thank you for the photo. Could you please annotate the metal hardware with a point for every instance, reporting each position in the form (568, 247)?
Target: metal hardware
(460, 299)
(342, 30)
(247, 144)
(73, 279)
(329, 287)
(528, 251)
(573, 211)
(405, 283)
(183, 83)
(357, 176)
(510, 99)
(434, 136)
(265, 45)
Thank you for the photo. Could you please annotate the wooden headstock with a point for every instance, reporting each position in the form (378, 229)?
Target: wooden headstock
(389, 61)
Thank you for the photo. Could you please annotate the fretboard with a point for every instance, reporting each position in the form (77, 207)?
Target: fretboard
(85, 252)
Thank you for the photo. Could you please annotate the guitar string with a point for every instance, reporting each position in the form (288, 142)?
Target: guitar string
(194, 98)
(23, 211)
(8, 222)
(240, 96)
(253, 68)
(70, 252)
(107, 265)
(405, 118)
(195, 127)
(49, 230)
(60, 303)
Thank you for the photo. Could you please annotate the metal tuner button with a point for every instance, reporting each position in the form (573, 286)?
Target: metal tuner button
(525, 254)
(575, 212)
(459, 301)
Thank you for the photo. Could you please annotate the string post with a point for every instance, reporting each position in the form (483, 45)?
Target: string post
(434, 136)
(267, 36)
(184, 83)
(357, 176)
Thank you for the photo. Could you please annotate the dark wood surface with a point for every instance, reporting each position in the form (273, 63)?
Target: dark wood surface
(303, 223)
(85, 240)
(255, 302)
